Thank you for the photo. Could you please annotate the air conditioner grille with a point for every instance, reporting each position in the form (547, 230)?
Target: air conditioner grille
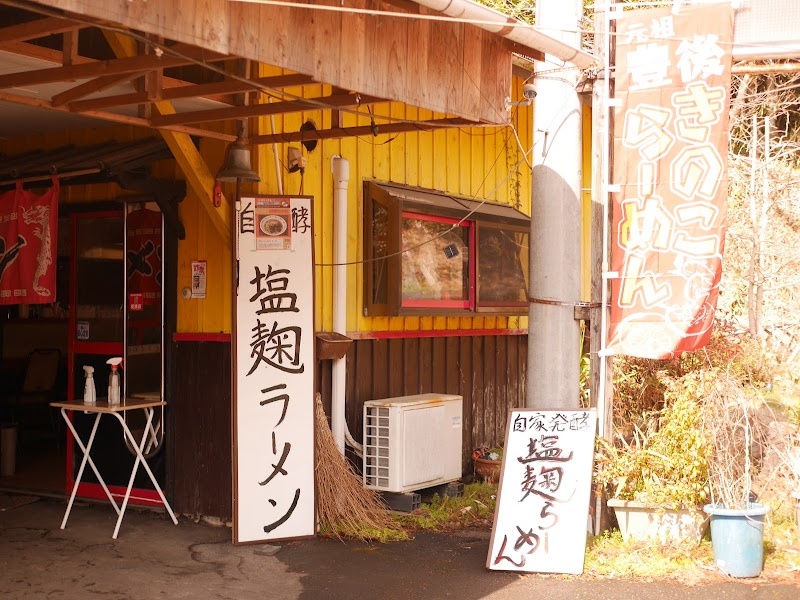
(376, 447)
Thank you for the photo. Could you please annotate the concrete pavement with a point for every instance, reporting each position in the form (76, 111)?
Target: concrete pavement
(152, 558)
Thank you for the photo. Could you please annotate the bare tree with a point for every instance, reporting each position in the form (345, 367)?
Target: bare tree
(761, 277)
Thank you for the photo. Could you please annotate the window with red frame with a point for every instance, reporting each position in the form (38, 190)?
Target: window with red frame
(437, 262)
(431, 253)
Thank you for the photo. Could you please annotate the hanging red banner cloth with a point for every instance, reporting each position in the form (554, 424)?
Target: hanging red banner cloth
(673, 73)
(28, 236)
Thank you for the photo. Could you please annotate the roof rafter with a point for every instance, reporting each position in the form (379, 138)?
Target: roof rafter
(344, 132)
(30, 30)
(113, 117)
(260, 110)
(90, 87)
(56, 57)
(198, 175)
(194, 91)
(133, 64)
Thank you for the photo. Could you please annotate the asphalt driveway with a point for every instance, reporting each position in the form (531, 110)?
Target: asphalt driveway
(152, 558)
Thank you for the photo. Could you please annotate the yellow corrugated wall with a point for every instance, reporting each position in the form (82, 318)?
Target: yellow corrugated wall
(213, 313)
(479, 162)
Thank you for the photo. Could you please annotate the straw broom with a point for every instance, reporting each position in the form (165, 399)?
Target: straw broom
(345, 508)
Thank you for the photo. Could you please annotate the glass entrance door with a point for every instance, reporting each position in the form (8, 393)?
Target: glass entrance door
(99, 328)
(144, 317)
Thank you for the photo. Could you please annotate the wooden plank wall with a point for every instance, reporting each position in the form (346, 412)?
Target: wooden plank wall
(201, 408)
(448, 67)
(487, 371)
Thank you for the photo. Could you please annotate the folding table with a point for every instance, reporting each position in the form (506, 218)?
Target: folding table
(103, 408)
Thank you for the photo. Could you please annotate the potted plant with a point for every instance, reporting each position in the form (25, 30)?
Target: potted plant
(487, 462)
(737, 520)
(658, 481)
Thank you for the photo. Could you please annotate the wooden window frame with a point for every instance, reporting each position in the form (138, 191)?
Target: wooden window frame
(399, 200)
(521, 307)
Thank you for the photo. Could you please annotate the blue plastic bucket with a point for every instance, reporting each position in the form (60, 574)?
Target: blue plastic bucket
(737, 537)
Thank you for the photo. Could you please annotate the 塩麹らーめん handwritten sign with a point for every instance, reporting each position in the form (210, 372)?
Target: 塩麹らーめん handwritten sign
(543, 500)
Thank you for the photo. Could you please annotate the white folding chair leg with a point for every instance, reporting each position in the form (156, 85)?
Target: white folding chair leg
(87, 457)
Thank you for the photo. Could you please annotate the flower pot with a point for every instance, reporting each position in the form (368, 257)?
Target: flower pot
(487, 470)
(737, 538)
(644, 522)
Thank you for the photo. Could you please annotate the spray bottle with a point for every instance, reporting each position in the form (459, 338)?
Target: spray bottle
(113, 380)
(89, 392)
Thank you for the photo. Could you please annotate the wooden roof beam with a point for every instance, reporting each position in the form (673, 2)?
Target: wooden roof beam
(109, 101)
(69, 49)
(260, 110)
(55, 56)
(237, 87)
(113, 117)
(361, 130)
(119, 66)
(40, 52)
(31, 30)
(198, 176)
(203, 90)
(91, 87)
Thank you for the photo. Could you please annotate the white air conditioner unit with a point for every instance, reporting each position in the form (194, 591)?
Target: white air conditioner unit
(412, 442)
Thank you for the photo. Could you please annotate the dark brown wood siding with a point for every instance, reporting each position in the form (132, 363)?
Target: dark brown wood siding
(201, 406)
(487, 371)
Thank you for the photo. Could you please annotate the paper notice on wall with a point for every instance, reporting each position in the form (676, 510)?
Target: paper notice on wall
(198, 279)
(273, 224)
(82, 330)
(135, 302)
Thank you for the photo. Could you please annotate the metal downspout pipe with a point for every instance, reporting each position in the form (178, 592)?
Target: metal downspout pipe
(340, 168)
(498, 23)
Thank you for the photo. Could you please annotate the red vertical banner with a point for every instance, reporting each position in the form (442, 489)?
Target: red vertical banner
(28, 238)
(673, 72)
(144, 258)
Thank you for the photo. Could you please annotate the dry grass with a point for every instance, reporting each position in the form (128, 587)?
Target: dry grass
(730, 422)
(609, 557)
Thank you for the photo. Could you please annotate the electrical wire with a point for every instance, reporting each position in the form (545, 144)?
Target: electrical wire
(24, 5)
(444, 232)
(278, 94)
(281, 94)
(515, 24)
(465, 217)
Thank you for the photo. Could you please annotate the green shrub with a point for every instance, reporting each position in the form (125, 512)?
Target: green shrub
(666, 462)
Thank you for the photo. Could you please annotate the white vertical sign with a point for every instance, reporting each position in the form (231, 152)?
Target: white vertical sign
(543, 501)
(274, 405)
